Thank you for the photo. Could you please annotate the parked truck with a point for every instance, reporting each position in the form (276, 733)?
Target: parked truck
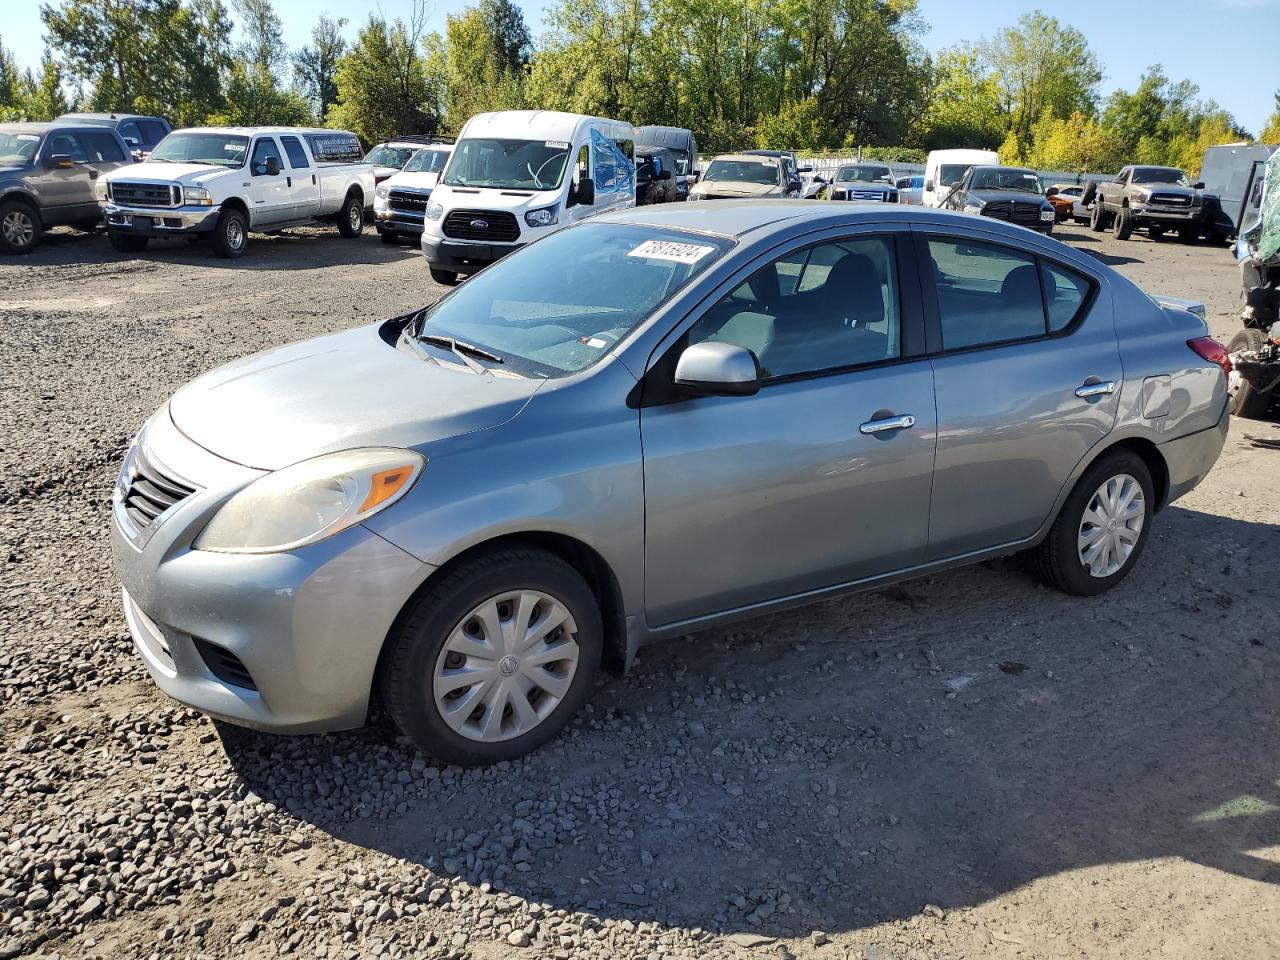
(1157, 199)
(220, 183)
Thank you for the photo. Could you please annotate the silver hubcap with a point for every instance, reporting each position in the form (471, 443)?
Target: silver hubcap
(235, 235)
(356, 217)
(506, 666)
(18, 228)
(1111, 525)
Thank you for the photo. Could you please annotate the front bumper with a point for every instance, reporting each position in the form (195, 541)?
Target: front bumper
(463, 257)
(1165, 215)
(159, 221)
(306, 627)
(398, 222)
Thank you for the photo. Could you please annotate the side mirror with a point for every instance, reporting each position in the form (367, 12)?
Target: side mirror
(1051, 192)
(273, 167)
(697, 175)
(719, 370)
(1198, 185)
(60, 161)
(585, 193)
(665, 175)
(928, 185)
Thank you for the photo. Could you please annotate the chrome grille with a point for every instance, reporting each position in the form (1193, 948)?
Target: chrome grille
(136, 194)
(408, 202)
(496, 225)
(1171, 199)
(151, 491)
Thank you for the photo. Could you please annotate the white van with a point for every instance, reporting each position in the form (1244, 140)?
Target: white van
(517, 175)
(943, 169)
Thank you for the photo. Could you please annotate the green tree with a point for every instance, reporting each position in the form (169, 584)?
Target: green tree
(255, 98)
(1077, 143)
(479, 72)
(44, 98)
(315, 67)
(799, 125)
(1271, 132)
(263, 45)
(11, 92)
(505, 23)
(963, 104)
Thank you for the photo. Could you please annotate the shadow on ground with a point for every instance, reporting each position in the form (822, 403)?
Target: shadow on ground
(941, 742)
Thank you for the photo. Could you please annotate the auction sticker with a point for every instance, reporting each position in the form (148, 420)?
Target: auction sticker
(671, 250)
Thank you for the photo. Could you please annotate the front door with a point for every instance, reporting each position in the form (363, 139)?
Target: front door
(1027, 377)
(269, 192)
(66, 193)
(822, 477)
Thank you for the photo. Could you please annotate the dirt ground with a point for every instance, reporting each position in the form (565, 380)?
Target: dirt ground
(967, 765)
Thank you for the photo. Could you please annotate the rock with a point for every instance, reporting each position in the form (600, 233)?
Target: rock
(750, 940)
(518, 938)
(933, 910)
(90, 908)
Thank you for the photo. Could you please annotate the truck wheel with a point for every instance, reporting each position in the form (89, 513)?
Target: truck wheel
(19, 227)
(351, 217)
(1189, 233)
(230, 235)
(126, 242)
(1243, 397)
(446, 277)
(1122, 228)
(1097, 218)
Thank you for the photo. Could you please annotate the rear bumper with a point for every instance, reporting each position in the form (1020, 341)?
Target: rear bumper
(463, 257)
(159, 221)
(1190, 459)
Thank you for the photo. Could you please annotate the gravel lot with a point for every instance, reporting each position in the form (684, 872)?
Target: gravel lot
(964, 766)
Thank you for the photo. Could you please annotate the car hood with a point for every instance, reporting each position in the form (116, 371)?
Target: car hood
(416, 180)
(7, 173)
(162, 171)
(737, 188)
(345, 390)
(492, 198)
(999, 196)
(862, 185)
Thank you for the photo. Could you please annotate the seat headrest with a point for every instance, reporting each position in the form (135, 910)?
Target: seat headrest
(852, 290)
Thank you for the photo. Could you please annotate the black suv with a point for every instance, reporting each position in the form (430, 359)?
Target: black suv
(140, 133)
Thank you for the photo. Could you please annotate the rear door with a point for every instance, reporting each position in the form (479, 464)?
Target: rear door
(300, 176)
(1027, 375)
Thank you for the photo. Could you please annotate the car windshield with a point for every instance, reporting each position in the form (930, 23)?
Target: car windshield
(1020, 181)
(427, 160)
(644, 167)
(558, 305)
(17, 148)
(744, 171)
(386, 155)
(508, 164)
(220, 149)
(1159, 175)
(865, 173)
(949, 174)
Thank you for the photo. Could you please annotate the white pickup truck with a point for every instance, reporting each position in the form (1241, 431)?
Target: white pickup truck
(222, 182)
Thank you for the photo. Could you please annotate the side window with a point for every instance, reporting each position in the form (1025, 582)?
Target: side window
(67, 144)
(1064, 294)
(822, 307)
(986, 294)
(103, 148)
(129, 130)
(152, 131)
(297, 156)
(263, 150)
(582, 168)
(605, 164)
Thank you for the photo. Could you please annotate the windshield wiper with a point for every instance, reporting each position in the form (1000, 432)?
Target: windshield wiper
(462, 350)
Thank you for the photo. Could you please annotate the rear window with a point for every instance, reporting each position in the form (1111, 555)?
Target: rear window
(335, 147)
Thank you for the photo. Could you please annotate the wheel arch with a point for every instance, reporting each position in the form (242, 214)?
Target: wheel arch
(1150, 455)
(357, 191)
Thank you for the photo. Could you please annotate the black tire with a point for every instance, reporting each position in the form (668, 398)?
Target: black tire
(126, 242)
(1056, 560)
(1122, 228)
(1090, 194)
(1243, 398)
(351, 217)
(1097, 218)
(229, 237)
(389, 237)
(418, 638)
(20, 227)
(448, 278)
(1189, 233)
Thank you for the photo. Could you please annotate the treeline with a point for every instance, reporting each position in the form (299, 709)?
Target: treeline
(799, 74)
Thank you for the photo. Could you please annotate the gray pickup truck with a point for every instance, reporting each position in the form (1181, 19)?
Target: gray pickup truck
(1158, 199)
(47, 178)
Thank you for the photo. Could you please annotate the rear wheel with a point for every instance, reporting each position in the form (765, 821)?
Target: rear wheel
(127, 242)
(1102, 527)
(19, 227)
(1122, 228)
(1244, 399)
(495, 659)
(448, 278)
(351, 217)
(230, 235)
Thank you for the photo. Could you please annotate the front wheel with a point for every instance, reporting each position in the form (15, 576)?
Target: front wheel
(495, 659)
(1243, 397)
(126, 242)
(1122, 228)
(448, 278)
(351, 217)
(230, 235)
(19, 227)
(1102, 527)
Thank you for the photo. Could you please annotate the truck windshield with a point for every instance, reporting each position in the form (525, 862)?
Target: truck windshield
(427, 160)
(864, 173)
(558, 305)
(1159, 175)
(682, 161)
(218, 149)
(1020, 181)
(508, 164)
(18, 149)
(949, 174)
(385, 155)
(743, 171)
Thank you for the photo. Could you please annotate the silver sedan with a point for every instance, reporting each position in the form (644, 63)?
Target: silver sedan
(653, 422)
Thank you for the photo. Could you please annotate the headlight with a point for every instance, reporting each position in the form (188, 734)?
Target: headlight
(100, 189)
(381, 191)
(544, 217)
(1046, 214)
(434, 210)
(972, 206)
(311, 500)
(198, 196)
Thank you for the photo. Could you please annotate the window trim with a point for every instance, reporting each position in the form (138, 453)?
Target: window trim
(253, 150)
(284, 144)
(933, 311)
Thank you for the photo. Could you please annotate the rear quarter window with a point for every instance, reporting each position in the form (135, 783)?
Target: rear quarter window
(335, 147)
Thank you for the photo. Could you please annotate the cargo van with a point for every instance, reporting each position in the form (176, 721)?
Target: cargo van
(683, 147)
(517, 175)
(943, 169)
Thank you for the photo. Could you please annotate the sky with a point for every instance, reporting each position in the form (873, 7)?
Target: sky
(1229, 48)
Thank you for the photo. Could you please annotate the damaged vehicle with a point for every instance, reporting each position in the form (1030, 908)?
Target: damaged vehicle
(1254, 383)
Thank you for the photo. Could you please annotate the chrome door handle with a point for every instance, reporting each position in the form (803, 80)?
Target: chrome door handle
(1096, 389)
(905, 422)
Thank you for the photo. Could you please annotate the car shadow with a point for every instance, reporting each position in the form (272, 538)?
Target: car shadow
(1110, 259)
(939, 742)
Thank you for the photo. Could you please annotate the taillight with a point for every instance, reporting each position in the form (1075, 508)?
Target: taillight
(1211, 350)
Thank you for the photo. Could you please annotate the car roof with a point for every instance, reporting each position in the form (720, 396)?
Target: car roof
(25, 126)
(647, 148)
(105, 117)
(996, 166)
(539, 124)
(746, 157)
(250, 131)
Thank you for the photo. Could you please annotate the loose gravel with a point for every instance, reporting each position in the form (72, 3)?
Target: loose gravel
(966, 765)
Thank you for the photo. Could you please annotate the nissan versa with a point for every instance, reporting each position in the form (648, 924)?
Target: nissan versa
(654, 421)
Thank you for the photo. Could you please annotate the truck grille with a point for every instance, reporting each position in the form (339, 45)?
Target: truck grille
(1171, 199)
(146, 194)
(408, 202)
(877, 195)
(481, 225)
(1026, 214)
(151, 491)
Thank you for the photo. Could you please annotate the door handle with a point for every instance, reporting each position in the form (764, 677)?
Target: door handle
(288, 181)
(904, 422)
(313, 179)
(1099, 388)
